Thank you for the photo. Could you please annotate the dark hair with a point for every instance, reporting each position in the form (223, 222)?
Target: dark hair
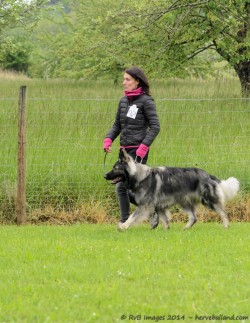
(138, 74)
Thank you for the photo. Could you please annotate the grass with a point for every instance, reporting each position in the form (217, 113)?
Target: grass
(92, 273)
(67, 121)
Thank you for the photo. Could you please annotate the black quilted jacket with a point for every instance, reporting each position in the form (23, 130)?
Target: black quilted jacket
(142, 127)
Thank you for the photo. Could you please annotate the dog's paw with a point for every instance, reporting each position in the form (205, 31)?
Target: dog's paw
(154, 226)
(226, 223)
(188, 226)
(121, 227)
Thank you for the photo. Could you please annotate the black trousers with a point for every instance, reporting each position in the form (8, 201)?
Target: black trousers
(125, 197)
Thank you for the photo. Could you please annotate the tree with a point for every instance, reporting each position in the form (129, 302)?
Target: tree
(18, 13)
(166, 36)
(201, 25)
(51, 56)
(14, 14)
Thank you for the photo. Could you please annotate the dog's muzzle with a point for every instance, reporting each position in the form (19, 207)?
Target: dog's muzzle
(114, 180)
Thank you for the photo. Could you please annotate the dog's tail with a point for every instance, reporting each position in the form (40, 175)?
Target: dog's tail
(230, 187)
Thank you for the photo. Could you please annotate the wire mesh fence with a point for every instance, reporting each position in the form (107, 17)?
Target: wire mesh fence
(65, 160)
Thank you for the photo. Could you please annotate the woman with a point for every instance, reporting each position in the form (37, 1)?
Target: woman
(137, 124)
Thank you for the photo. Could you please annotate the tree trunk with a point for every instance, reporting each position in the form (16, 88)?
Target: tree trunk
(243, 71)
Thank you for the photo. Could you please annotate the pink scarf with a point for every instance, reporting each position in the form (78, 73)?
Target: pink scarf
(133, 93)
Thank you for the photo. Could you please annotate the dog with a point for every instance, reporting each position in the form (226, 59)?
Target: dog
(157, 189)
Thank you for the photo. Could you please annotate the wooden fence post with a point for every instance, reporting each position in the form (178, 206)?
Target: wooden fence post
(21, 162)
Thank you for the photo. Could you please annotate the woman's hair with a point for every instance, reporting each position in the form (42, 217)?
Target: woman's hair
(138, 74)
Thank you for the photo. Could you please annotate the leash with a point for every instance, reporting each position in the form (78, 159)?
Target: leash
(104, 162)
(137, 161)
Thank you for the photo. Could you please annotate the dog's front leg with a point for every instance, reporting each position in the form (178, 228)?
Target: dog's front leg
(154, 220)
(141, 213)
(128, 223)
(164, 218)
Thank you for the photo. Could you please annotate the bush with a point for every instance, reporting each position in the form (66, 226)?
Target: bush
(15, 56)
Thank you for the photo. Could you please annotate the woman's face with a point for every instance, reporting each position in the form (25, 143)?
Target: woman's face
(129, 82)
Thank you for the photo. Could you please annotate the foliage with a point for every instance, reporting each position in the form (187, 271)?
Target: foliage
(20, 13)
(164, 37)
(52, 38)
(15, 54)
(168, 38)
(17, 20)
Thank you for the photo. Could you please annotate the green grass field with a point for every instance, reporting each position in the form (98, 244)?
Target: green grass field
(203, 124)
(92, 273)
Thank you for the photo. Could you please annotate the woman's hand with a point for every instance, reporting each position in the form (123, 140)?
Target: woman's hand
(107, 145)
(142, 151)
(108, 150)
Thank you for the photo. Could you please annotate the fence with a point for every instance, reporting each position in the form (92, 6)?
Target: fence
(64, 156)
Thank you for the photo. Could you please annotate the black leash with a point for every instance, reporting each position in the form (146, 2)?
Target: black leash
(137, 161)
(104, 162)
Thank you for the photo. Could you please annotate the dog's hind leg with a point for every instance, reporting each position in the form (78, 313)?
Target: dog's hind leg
(192, 218)
(163, 214)
(219, 209)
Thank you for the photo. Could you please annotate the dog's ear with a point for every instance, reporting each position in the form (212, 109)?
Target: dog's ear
(126, 156)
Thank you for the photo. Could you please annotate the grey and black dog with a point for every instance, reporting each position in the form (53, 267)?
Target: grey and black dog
(157, 189)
